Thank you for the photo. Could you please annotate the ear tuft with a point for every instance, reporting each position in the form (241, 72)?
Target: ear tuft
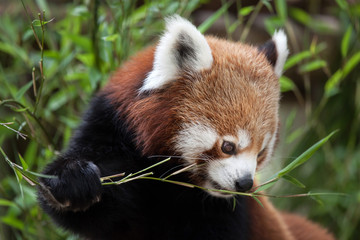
(276, 51)
(282, 50)
(181, 48)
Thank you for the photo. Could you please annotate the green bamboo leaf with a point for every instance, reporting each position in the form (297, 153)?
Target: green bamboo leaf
(38, 23)
(233, 26)
(306, 19)
(139, 13)
(281, 9)
(258, 201)
(23, 163)
(210, 21)
(18, 175)
(35, 174)
(83, 42)
(234, 203)
(246, 10)
(7, 203)
(312, 66)
(23, 90)
(18, 179)
(349, 66)
(20, 172)
(80, 11)
(293, 181)
(267, 4)
(87, 58)
(300, 15)
(13, 222)
(265, 186)
(294, 135)
(342, 4)
(111, 38)
(316, 198)
(273, 23)
(304, 156)
(346, 41)
(59, 99)
(23, 174)
(20, 109)
(286, 84)
(290, 120)
(14, 51)
(43, 5)
(295, 59)
(331, 84)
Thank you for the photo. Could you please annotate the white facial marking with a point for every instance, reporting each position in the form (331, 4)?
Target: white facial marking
(244, 138)
(225, 172)
(280, 41)
(195, 139)
(165, 66)
(269, 146)
(230, 138)
(265, 141)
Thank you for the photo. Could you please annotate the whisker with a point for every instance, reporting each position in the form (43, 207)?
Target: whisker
(169, 170)
(206, 159)
(164, 156)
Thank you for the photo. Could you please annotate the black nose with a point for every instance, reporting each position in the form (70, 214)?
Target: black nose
(244, 184)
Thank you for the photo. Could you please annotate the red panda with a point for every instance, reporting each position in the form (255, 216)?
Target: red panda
(203, 101)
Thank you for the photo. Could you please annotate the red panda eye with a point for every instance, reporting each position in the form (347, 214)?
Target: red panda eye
(261, 153)
(228, 147)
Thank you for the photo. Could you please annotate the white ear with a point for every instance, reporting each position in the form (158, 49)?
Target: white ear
(282, 51)
(181, 48)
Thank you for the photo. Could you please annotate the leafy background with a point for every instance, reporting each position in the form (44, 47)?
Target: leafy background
(56, 54)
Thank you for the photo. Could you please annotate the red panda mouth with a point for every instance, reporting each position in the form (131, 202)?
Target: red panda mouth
(212, 188)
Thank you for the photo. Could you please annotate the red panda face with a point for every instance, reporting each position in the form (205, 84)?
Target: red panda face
(210, 101)
(229, 116)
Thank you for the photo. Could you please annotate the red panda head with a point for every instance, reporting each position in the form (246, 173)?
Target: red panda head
(210, 101)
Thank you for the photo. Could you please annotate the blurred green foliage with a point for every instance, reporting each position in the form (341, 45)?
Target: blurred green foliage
(49, 72)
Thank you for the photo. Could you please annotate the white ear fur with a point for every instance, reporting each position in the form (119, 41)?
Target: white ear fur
(282, 51)
(181, 48)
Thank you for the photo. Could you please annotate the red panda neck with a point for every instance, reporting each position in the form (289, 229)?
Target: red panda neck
(149, 116)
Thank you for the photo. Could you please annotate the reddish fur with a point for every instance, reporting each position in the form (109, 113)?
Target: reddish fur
(157, 127)
(307, 231)
(282, 225)
(156, 118)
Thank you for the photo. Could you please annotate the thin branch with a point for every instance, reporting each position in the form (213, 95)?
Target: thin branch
(250, 22)
(22, 135)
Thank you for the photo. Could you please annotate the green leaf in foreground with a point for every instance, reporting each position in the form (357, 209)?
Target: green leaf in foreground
(258, 201)
(304, 156)
(266, 186)
(23, 163)
(294, 181)
(316, 198)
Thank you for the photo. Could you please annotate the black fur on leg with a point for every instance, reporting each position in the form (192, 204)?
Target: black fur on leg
(76, 187)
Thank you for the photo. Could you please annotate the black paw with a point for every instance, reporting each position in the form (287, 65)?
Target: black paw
(76, 187)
